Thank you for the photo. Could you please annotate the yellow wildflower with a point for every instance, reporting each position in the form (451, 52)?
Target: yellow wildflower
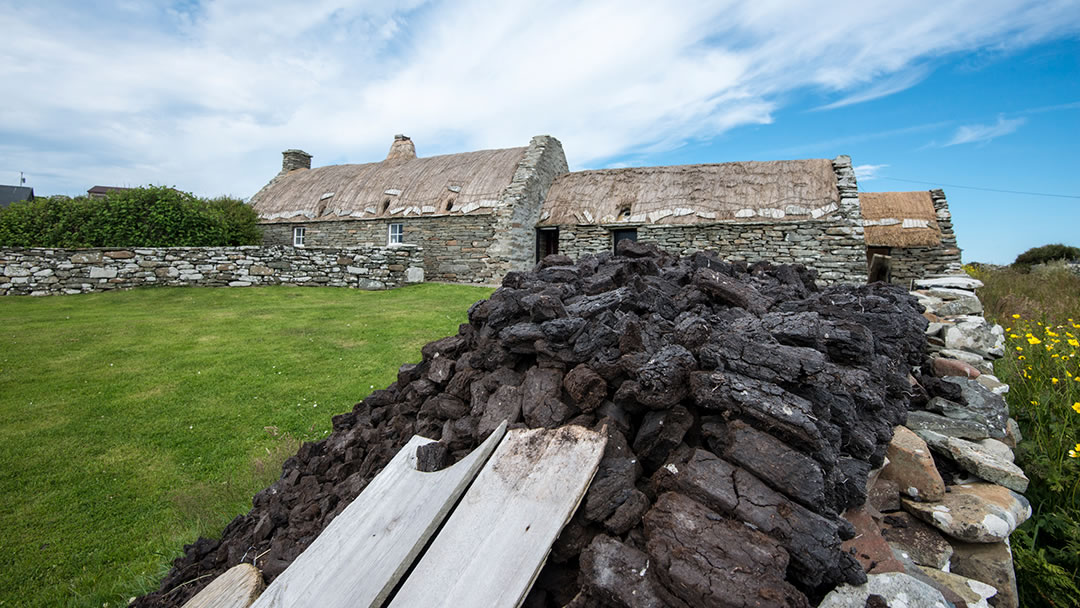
(1074, 343)
(1033, 340)
(1013, 336)
(1019, 348)
(1076, 407)
(1016, 316)
(1053, 380)
(1075, 452)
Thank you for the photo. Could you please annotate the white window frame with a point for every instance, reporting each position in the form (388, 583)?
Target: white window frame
(298, 236)
(399, 234)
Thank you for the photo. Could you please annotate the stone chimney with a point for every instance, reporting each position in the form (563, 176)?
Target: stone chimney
(295, 159)
(401, 150)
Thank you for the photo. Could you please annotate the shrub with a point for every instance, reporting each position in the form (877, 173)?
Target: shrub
(58, 221)
(241, 221)
(153, 216)
(1047, 253)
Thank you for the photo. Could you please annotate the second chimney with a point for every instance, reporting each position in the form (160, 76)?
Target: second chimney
(401, 150)
(295, 159)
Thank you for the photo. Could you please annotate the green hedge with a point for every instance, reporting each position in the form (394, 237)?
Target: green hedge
(154, 216)
(1047, 253)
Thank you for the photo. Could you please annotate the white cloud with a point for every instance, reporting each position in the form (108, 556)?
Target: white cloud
(865, 173)
(205, 97)
(970, 134)
(888, 86)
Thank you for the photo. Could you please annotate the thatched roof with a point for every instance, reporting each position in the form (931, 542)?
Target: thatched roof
(899, 219)
(470, 182)
(685, 194)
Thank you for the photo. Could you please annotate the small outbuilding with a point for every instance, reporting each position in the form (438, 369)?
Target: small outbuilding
(914, 229)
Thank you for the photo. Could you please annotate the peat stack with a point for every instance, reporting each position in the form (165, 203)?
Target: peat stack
(745, 409)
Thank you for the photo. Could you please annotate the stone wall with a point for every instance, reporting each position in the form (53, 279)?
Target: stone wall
(454, 246)
(516, 218)
(834, 246)
(70, 271)
(913, 263)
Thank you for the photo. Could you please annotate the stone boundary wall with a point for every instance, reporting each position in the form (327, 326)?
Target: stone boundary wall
(40, 271)
(978, 439)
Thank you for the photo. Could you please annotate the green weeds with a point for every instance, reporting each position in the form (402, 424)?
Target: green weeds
(1041, 314)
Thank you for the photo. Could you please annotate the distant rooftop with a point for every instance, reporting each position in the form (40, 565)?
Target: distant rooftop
(100, 191)
(12, 194)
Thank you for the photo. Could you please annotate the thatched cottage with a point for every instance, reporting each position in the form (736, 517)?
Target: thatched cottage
(478, 215)
(473, 213)
(798, 211)
(914, 229)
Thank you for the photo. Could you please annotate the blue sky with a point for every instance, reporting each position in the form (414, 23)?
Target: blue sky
(205, 95)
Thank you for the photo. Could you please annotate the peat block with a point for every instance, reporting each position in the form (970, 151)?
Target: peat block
(744, 408)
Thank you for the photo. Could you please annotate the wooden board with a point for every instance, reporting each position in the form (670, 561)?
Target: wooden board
(497, 539)
(361, 555)
(237, 587)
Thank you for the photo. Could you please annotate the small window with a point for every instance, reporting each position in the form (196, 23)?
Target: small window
(397, 234)
(298, 236)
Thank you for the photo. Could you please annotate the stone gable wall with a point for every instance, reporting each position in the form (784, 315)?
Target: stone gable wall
(40, 271)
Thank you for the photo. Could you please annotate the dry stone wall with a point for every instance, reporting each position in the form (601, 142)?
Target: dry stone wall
(940, 512)
(70, 271)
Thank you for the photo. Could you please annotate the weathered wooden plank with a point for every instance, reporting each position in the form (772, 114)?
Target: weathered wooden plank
(360, 556)
(497, 539)
(236, 588)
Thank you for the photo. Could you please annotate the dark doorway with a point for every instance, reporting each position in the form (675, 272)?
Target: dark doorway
(626, 234)
(870, 251)
(547, 242)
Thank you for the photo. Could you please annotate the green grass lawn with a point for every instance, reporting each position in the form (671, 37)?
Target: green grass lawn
(133, 422)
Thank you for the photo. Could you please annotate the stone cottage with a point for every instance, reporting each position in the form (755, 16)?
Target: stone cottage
(479, 215)
(914, 229)
(796, 211)
(473, 213)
